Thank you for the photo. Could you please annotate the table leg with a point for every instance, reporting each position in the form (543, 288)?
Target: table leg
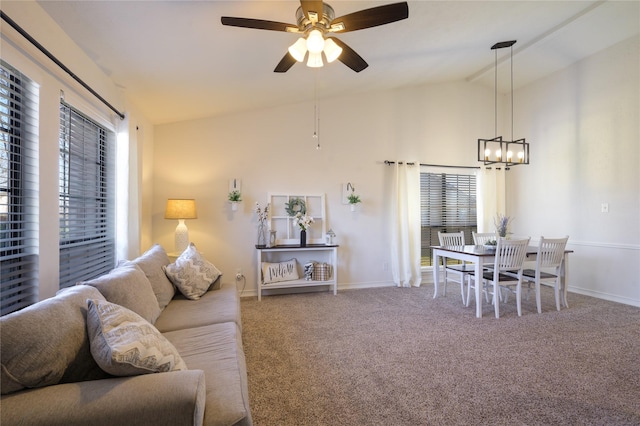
(478, 278)
(436, 273)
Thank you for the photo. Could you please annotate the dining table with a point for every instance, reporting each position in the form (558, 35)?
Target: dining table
(480, 255)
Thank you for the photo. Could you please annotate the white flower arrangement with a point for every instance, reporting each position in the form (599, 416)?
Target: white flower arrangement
(303, 221)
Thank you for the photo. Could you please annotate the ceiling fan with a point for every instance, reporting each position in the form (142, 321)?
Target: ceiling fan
(316, 19)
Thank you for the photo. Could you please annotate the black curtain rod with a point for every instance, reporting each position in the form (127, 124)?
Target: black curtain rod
(387, 162)
(57, 62)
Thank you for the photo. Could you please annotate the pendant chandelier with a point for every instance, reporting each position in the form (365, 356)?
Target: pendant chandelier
(496, 150)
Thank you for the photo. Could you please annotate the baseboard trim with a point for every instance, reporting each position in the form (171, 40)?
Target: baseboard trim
(603, 296)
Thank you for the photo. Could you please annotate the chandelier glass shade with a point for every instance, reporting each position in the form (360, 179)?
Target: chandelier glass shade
(315, 44)
(496, 150)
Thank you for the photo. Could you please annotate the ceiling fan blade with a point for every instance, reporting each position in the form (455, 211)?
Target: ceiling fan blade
(285, 63)
(258, 24)
(314, 7)
(368, 18)
(349, 57)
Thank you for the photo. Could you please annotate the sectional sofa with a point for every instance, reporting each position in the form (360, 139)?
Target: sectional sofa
(150, 343)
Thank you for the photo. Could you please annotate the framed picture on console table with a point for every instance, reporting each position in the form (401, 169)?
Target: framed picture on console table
(282, 205)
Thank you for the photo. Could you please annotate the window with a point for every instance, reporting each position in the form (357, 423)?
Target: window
(18, 190)
(87, 198)
(447, 204)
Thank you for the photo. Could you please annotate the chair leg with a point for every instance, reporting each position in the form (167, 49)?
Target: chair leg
(446, 278)
(496, 300)
(469, 290)
(538, 301)
(556, 289)
(462, 289)
(519, 298)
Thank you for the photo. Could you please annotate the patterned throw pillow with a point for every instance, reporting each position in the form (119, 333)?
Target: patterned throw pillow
(125, 344)
(192, 273)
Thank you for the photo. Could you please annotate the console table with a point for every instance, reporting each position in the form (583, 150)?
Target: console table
(312, 252)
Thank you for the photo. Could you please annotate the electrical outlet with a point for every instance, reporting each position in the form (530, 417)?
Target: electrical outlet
(239, 275)
(604, 207)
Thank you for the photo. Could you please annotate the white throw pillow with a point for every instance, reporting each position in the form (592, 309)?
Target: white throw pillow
(125, 344)
(192, 273)
(283, 271)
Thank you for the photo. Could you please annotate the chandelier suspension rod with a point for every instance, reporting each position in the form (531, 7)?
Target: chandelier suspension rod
(511, 91)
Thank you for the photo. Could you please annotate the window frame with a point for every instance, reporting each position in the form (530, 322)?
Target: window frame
(19, 247)
(86, 197)
(450, 219)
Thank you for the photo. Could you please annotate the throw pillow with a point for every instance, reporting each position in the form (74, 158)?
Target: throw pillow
(46, 343)
(192, 273)
(151, 263)
(125, 344)
(128, 286)
(282, 271)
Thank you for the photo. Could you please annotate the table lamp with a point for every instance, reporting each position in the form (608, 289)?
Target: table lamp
(181, 209)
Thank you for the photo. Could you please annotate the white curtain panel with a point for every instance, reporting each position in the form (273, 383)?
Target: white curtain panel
(405, 224)
(490, 197)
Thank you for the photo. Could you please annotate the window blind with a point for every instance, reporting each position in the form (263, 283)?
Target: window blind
(18, 190)
(87, 197)
(447, 204)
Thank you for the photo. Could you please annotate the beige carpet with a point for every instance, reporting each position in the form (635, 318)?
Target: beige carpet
(395, 356)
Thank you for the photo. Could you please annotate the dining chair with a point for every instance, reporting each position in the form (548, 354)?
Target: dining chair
(457, 272)
(547, 272)
(507, 271)
(480, 238)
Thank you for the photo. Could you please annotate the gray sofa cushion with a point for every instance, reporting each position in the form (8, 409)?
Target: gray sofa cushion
(47, 343)
(125, 344)
(128, 286)
(175, 398)
(213, 307)
(151, 263)
(217, 350)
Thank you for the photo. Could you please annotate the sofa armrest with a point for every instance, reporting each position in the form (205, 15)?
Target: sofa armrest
(174, 398)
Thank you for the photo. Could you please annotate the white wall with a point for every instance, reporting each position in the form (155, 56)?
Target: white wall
(272, 151)
(583, 124)
(21, 54)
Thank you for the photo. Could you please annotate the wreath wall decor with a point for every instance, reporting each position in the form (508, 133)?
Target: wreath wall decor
(295, 206)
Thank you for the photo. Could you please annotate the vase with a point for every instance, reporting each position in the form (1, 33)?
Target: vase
(303, 238)
(262, 238)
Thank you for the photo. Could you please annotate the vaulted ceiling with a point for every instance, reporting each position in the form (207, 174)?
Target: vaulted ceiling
(176, 61)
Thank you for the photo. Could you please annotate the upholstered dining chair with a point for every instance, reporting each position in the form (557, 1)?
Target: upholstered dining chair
(507, 271)
(455, 272)
(547, 272)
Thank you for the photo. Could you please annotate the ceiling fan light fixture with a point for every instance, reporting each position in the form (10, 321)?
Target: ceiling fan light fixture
(315, 60)
(298, 49)
(331, 50)
(315, 41)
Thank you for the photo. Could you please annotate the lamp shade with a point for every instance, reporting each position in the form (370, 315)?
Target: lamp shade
(298, 49)
(315, 60)
(331, 50)
(181, 209)
(315, 41)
